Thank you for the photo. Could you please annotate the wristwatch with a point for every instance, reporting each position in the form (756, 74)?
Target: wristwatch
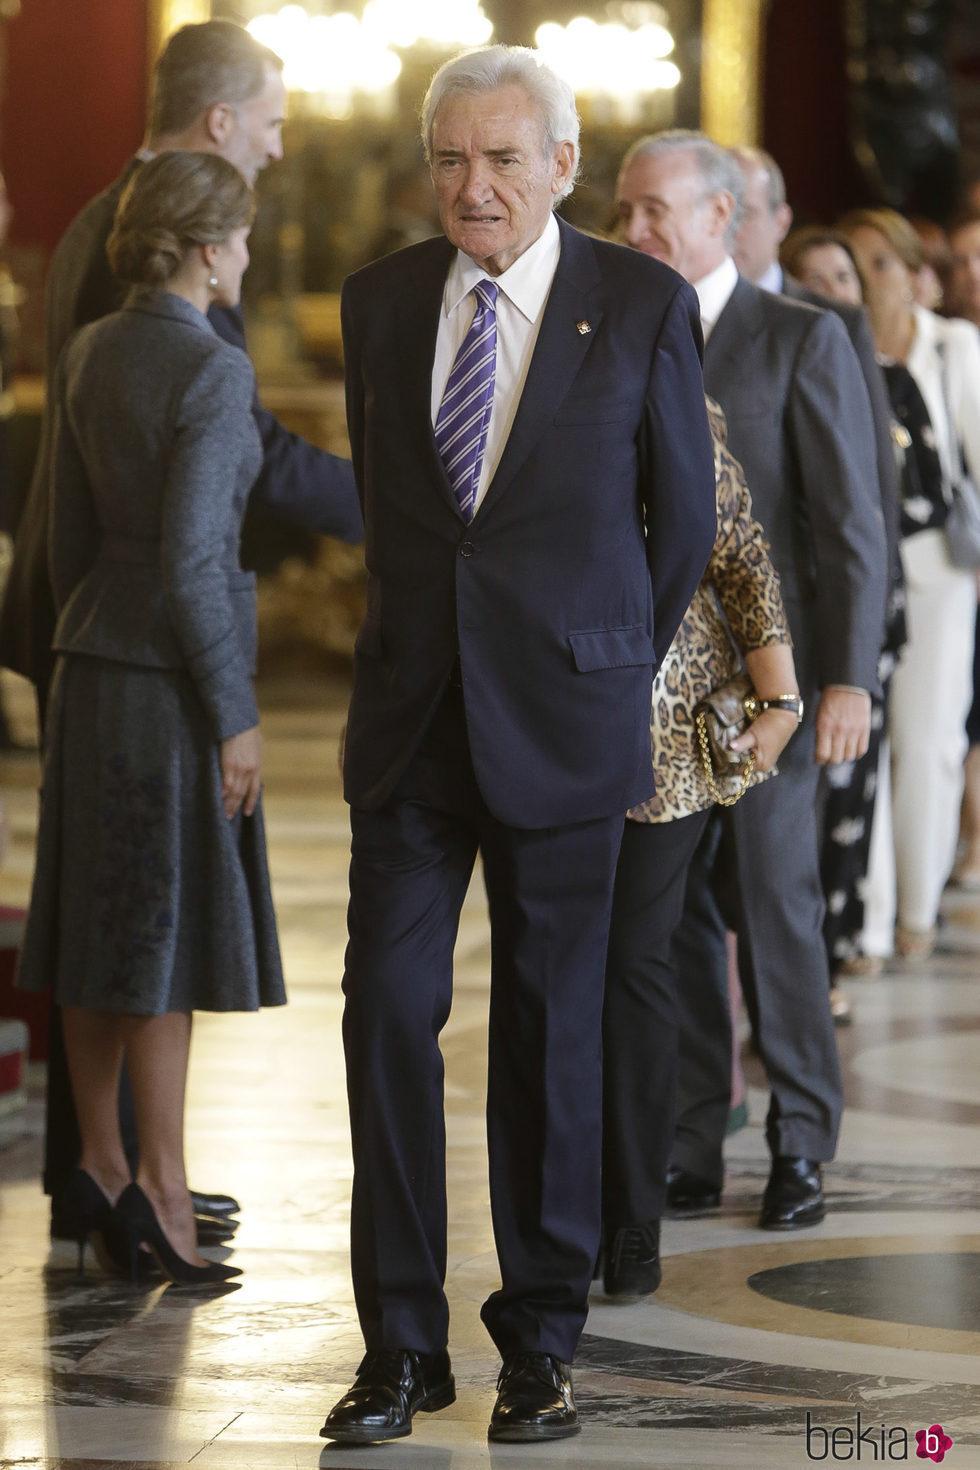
(791, 702)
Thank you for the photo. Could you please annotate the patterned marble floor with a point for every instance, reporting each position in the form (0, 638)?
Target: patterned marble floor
(836, 1343)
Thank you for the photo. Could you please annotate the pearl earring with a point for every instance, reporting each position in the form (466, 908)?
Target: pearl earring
(213, 282)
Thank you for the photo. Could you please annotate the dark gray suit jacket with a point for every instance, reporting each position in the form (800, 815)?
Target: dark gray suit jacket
(799, 422)
(154, 452)
(855, 319)
(297, 482)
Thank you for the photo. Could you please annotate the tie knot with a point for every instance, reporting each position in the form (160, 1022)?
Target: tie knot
(486, 294)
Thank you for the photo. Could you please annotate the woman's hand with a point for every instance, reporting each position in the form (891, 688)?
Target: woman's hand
(767, 735)
(241, 771)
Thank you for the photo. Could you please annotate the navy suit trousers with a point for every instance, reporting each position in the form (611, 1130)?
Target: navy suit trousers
(550, 895)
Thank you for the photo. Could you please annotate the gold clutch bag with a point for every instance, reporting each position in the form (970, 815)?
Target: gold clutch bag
(719, 719)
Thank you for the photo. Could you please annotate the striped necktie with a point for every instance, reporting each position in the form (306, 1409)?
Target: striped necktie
(464, 413)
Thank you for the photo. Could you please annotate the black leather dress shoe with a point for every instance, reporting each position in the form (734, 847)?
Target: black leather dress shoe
(392, 1384)
(689, 1195)
(794, 1195)
(212, 1230)
(534, 1400)
(218, 1205)
(632, 1262)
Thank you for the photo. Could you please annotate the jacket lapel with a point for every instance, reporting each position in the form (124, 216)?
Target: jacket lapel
(415, 323)
(724, 349)
(558, 354)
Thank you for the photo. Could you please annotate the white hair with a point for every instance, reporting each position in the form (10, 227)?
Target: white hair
(718, 169)
(492, 67)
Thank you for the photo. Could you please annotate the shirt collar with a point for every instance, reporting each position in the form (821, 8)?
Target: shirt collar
(714, 291)
(526, 283)
(772, 278)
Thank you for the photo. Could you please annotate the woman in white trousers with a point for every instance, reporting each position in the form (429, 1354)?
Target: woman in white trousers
(914, 839)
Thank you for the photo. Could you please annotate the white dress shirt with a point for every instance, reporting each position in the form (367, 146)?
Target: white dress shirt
(772, 279)
(714, 291)
(523, 292)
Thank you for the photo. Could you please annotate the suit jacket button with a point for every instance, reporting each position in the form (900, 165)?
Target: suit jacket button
(466, 548)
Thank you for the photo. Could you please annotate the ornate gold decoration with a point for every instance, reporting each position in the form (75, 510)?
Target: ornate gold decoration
(166, 16)
(731, 65)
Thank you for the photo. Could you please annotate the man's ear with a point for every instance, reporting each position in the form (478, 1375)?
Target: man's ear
(720, 215)
(219, 123)
(564, 166)
(784, 219)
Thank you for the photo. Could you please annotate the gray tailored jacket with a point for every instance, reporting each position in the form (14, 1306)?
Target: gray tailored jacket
(155, 450)
(799, 423)
(855, 319)
(297, 483)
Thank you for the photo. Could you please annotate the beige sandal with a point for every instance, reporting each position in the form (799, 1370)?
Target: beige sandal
(914, 944)
(868, 965)
(840, 1006)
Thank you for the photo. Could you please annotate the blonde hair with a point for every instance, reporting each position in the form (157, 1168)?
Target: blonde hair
(896, 229)
(174, 202)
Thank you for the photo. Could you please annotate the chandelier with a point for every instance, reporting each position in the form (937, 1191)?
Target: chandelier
(341, 61)
(617, 64)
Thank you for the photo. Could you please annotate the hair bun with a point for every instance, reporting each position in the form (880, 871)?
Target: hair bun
(146, 257)
(173, 203)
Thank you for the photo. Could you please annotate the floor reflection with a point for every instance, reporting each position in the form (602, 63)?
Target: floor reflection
(876, 1311)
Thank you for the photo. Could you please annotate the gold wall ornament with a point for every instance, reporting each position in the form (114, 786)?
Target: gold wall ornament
(167, 16)
(731, 70)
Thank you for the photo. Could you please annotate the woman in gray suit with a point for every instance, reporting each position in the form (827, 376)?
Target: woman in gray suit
(151, 894)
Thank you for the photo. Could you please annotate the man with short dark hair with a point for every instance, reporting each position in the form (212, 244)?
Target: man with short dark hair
(217, 90)
(531, 446)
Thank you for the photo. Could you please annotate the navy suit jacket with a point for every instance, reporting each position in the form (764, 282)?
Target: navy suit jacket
(567, 587)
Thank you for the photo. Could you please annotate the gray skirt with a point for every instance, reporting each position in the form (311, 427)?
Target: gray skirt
(146, 898)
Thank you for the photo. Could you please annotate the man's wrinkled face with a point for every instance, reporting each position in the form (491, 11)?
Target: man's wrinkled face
(495, 177)
(665, 210)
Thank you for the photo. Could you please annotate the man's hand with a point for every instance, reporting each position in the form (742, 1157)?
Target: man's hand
(843, 725)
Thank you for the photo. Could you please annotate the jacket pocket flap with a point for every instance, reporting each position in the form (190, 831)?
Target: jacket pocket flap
(611, 648)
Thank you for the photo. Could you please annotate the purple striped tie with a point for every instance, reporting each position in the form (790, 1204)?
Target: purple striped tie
(464, 413)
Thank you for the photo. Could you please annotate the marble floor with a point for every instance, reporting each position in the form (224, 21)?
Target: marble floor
(835, 1343)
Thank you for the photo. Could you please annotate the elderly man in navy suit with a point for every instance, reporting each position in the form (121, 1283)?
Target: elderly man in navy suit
(530, 442)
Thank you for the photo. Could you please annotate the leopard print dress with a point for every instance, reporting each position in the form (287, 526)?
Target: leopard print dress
(738, 607)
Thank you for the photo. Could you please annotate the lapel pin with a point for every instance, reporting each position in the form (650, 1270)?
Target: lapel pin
(583, 328)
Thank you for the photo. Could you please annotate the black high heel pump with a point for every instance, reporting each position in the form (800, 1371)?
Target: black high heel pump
(136, 1218)
(81, 1212)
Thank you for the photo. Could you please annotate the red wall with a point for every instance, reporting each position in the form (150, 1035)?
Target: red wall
(805, 123)
(73, 109)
